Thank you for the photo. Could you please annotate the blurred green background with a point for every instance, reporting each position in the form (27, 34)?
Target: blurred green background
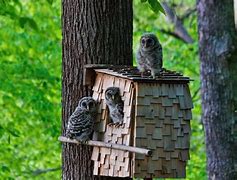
(30, 83)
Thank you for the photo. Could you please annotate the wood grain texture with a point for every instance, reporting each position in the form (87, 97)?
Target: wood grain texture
(98, 32)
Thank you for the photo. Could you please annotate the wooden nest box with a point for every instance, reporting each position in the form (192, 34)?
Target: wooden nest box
(157, 116)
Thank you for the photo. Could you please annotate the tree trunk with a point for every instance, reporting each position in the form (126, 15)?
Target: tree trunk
(98, 32)
(218, 54)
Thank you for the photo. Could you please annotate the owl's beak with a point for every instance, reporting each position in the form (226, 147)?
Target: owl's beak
(113, 97)
(146, 44)
(88, 107)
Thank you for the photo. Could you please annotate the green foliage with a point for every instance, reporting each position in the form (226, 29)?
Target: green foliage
(155, 6)
(30, 88)
(30, 83)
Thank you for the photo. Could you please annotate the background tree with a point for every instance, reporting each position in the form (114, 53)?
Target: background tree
(218, 55)
(94, 32)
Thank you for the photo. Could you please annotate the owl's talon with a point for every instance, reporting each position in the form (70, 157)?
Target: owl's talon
(110, 124)
(119, 124)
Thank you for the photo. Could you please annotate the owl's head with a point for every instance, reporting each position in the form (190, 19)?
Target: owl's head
(148, 41)
(112, 94)
(87, 103)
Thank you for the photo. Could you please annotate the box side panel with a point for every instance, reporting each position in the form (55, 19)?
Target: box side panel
(162, 124)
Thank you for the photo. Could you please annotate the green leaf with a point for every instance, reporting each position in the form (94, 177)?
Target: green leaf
(1, 131)
(5, 168)
(156, 6)
(9, 139)
(143, 1)
(50, 1)
(14, 132)
(23, 21)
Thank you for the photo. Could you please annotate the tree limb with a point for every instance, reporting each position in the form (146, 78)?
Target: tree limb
(42, 171)
(168, 32)
(180, 30)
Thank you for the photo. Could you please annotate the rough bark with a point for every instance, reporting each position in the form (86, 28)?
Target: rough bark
(218, 55)
(99, 32)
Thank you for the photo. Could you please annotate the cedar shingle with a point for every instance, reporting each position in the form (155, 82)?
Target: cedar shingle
(171, 92)
(150, 128)
(168, 111)
(181, 102)
(141, 110)
(166, 102)
(169, 145)
(156, 90)
(140, 132)
(159, 123)
(164, 89)
(151, 166)
(168, 120)
(179, 90)
(157, 133)
(188, 98)
(161, 112)
(166, 130)
(177, 123)
(175, 111)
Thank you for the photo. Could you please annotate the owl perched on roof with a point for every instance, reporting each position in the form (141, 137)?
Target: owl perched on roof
(149, 55)
(115, 104)
(81, 122)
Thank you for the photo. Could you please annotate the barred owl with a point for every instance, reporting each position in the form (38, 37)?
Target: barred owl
(149, 55)
(81, 122)
(115, 104)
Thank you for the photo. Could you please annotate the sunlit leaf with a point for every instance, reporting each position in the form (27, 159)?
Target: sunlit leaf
(156, 6)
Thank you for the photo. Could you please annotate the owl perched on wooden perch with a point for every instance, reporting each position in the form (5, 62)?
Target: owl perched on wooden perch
(81, 122)
(149, 54)
(115, 104)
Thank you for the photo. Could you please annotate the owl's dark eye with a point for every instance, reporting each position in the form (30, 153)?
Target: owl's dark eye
(83, 104)
(149, 41)
(143, 41)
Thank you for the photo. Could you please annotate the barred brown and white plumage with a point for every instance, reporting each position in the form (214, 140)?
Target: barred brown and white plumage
(149, 55)
(115, 105)
(81, 122)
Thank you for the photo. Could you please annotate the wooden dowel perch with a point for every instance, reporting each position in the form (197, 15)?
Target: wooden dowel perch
(109, 145)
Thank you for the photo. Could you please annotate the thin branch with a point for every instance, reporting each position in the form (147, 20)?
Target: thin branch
(109, 145)
(42, 171)
(168, 32)
(196, 93)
